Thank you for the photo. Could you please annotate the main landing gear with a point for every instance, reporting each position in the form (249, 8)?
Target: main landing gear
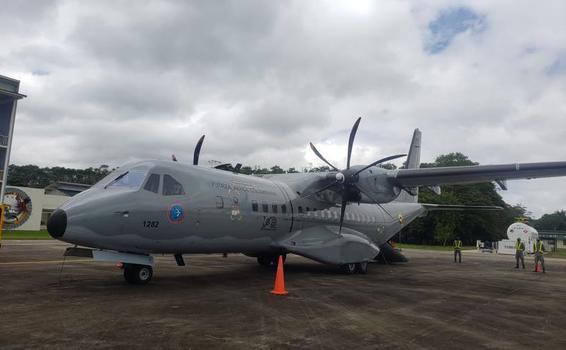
(137, 274)
(349, 269)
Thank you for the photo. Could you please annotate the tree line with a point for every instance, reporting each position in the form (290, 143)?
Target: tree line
(439, 227)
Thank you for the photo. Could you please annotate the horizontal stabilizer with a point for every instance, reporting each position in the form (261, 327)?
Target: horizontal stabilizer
(327, 245)
(436, 207)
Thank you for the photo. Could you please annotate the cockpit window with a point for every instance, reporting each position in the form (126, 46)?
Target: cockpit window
(131, 179)
(171, 187)
(152, 184)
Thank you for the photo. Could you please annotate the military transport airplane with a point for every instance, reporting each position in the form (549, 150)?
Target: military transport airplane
(343, 217)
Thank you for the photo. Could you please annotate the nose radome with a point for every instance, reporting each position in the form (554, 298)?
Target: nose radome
(57, 223)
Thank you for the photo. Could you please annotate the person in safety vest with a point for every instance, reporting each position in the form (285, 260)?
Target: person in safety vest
(519, 253)
(539, 251)
(458, 249)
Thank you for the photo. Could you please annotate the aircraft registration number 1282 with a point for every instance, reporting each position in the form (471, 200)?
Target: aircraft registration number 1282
(151, 224)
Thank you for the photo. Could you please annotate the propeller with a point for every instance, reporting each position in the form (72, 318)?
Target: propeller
(197, 150)
(346, 180)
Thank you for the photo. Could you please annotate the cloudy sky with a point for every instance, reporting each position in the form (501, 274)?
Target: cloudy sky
(112, 81)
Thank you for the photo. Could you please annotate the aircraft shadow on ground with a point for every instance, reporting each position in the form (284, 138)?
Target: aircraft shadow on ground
(182, 277)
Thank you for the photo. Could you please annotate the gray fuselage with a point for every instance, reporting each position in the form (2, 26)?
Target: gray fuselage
(192, 209)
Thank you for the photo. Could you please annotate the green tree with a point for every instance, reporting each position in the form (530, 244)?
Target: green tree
(552, 222)
(246, 170)
(388, 166)
(277, 170)
(321, 169)
(441, 226)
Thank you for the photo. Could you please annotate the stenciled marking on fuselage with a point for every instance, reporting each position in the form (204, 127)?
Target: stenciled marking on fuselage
(176, 213)
(269, 223)
(242, 187)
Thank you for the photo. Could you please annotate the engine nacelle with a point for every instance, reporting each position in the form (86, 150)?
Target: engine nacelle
(376, 184)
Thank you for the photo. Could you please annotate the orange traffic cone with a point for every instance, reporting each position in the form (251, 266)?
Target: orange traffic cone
(279, 287)
(537, 267)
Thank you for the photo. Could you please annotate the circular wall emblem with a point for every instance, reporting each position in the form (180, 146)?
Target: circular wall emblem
(176, 214)
(18, 208)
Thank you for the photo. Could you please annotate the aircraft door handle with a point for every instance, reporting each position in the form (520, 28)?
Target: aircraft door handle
(124, 213)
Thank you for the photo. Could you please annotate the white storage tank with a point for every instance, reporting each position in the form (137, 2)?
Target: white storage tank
(526, 233)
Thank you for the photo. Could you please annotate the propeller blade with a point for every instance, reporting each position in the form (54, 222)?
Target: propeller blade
(197, 150)
(342, 211)
(351, 141)
(380, 161)
(321, 157)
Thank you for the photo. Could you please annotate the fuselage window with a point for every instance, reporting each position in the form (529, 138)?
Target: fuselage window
(254, 206)
(308, 209)
(172, 187)
(300, 210)
(283, 209)
(265, 208)
(152, 184)
(274, 208)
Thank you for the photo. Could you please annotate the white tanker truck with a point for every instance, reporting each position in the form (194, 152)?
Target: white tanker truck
(526, 233)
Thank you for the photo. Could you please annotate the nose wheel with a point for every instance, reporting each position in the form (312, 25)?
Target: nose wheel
(137, 274)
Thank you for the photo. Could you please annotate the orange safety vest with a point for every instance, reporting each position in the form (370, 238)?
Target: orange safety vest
(539, 248)
(519, 246)
(457, 244)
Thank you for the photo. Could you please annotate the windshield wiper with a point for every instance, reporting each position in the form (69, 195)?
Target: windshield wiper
(117, 179)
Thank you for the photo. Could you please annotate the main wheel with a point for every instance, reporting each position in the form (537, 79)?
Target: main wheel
(137, 274)
(348, 269)
(362, 267)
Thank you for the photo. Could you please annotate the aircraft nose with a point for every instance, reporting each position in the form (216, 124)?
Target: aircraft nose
(57, 223)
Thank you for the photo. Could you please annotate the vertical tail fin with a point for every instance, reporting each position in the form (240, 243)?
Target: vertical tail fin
(414, 157)
(413, 162)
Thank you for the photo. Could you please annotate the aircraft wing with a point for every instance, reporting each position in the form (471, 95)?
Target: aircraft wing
(478, 173)
(325, 244)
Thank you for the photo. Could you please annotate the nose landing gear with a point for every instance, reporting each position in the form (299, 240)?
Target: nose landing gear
(137, 274)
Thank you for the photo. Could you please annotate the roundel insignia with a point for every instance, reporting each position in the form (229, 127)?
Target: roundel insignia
(401, 219)
(176, 214)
